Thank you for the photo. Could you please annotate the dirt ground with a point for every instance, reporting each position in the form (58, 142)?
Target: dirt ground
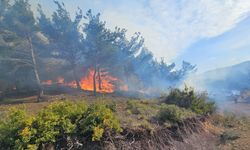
(237, 123)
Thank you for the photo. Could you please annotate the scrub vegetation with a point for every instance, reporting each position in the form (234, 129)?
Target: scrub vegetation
(84, 120)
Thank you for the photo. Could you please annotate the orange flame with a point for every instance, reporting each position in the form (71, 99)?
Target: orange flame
(86, 83)
(71, 84)
(60, 80)
(47, 82)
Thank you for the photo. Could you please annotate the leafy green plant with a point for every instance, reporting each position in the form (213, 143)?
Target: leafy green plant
(56, 119)
(111, 104)
(11, 123)
(96, 120)
(188, 99)
(20, 131)
(173, 113)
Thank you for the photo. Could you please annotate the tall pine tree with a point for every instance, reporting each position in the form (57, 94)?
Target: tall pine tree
(20, 22)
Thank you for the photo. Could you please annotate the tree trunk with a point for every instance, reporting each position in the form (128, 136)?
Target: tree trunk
(94, 82)
(99, 79)
(76, 78)
(40, 88)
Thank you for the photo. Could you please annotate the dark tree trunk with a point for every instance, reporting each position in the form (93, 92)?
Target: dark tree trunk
(94, 82)
(99, 79)
(37, 77)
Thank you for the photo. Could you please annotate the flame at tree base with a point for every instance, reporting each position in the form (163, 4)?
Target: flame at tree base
(105, 83)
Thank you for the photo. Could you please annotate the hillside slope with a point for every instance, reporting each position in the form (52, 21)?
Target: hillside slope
(227, 79)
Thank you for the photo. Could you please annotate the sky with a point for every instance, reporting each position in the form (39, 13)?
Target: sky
(208, 33)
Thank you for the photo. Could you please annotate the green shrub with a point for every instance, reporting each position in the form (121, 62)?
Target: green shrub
(11, 124)
(173, 113)
(18, 131)
(111, 104)
(201, 106)
(188, 99)
(96, 120)
(57, 119)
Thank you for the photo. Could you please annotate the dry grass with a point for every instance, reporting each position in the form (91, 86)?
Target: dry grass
(230, 126)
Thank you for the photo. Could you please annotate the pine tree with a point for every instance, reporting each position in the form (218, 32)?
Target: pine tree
(63, 33)
(19, 23)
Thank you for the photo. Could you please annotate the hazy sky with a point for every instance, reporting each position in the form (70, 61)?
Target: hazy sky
(209, 33)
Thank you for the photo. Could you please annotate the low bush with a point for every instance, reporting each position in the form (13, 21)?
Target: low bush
(11, 123)
(59, 119)
(188, 99)
(173, 113)
(96, 120)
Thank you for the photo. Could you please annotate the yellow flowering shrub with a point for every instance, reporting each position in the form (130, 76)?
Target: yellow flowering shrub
(20, 131)
(12, 122)
(97, 133)
(58, 118)
(97, 119)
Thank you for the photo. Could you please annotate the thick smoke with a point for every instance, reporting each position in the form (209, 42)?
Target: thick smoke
(226, 86)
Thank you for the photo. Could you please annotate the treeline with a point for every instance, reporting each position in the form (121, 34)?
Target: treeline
(36, 49)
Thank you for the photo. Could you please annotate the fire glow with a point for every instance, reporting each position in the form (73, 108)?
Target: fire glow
(107, 84)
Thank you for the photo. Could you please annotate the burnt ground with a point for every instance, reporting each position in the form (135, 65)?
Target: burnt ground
(206, 136)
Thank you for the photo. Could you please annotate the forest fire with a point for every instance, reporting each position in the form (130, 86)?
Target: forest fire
(47, 82)
(105, 83)
(60, 80)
